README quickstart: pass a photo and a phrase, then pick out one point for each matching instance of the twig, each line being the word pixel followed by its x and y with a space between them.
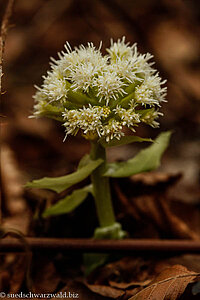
pixel 4 31
pixel 90 245
pixel 3 34
pixel 4 232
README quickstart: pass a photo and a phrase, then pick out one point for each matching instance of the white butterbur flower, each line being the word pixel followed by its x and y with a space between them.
pixel 151 117
pixel 40 99
pixel 100 95
pixel 125 69
pixel 141 63
pixel 56 90
pixel 109 86
pixel 150 91
pixel 54 87
pixel 145 96
pixel 82 76
pixel 120 49
pixel 89 120
pixel 91 55
pixel 128 116
pixel 112 130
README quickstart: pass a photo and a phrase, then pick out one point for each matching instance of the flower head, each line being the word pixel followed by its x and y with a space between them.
pixel 99 95
pixel 120 50
pixel 109 86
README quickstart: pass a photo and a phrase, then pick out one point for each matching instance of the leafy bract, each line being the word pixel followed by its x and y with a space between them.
pixel 59 184
pixel 123 141
pixel 146 160
pixel 69 203
pixel 85 160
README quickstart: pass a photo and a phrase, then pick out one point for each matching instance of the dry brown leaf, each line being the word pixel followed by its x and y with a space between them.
pixel 12 186
pixel 168 285
pixel 47 278
pixel 156 209
pixel 132 292
pixel 128 285
pixel 81 291
pixel 105 290
pixel 177 226
pixel 190 261
pixel 158 180
pixel 12 273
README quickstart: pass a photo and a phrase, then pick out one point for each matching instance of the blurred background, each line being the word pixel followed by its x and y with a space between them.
pixel 32 148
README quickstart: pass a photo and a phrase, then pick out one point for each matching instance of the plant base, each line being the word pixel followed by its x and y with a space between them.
pixel 110 232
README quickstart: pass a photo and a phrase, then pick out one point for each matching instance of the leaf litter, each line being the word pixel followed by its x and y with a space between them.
pixel 169 284
pixel 144 201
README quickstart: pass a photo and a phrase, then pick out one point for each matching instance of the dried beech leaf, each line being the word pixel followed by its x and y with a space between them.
pixel 47 278
pixel 18 214
pixel 80 291
pixel 16 277
pixel 176 225
pixel 128 285
pixel 155 180
pixel 105 291
pixel 168 285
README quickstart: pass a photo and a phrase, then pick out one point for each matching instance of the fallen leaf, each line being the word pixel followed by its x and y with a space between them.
pixel 128 285
pixel 106 291
pixel 169 284
pixel 190 261
pixel 81 291
pixel 155 209
pixel 18 213
pixel 177 226
pixel 47 278
pixel 17 265
pixel 155 181
pixel 121 270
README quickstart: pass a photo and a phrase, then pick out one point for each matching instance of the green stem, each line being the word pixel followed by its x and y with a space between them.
pixel 101 188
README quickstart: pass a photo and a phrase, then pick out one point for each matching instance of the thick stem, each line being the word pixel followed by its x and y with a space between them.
pixel 101 188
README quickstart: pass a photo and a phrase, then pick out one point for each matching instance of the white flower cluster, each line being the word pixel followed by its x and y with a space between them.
pixel 99 95
pixel 89 120
pixel 128 117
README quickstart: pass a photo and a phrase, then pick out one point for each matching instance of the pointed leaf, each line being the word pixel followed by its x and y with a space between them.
pixel 124 141
pixel 85 160
pixel 146 160
pixel 59 184
pixel 169 284
pixel 69 203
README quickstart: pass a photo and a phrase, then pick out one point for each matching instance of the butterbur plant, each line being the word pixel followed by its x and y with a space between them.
pixel 98 96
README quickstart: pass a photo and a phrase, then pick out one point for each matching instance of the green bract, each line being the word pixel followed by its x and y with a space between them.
pixel 62 183
pixel 146 160
pixel 69 203
pixel 100 95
